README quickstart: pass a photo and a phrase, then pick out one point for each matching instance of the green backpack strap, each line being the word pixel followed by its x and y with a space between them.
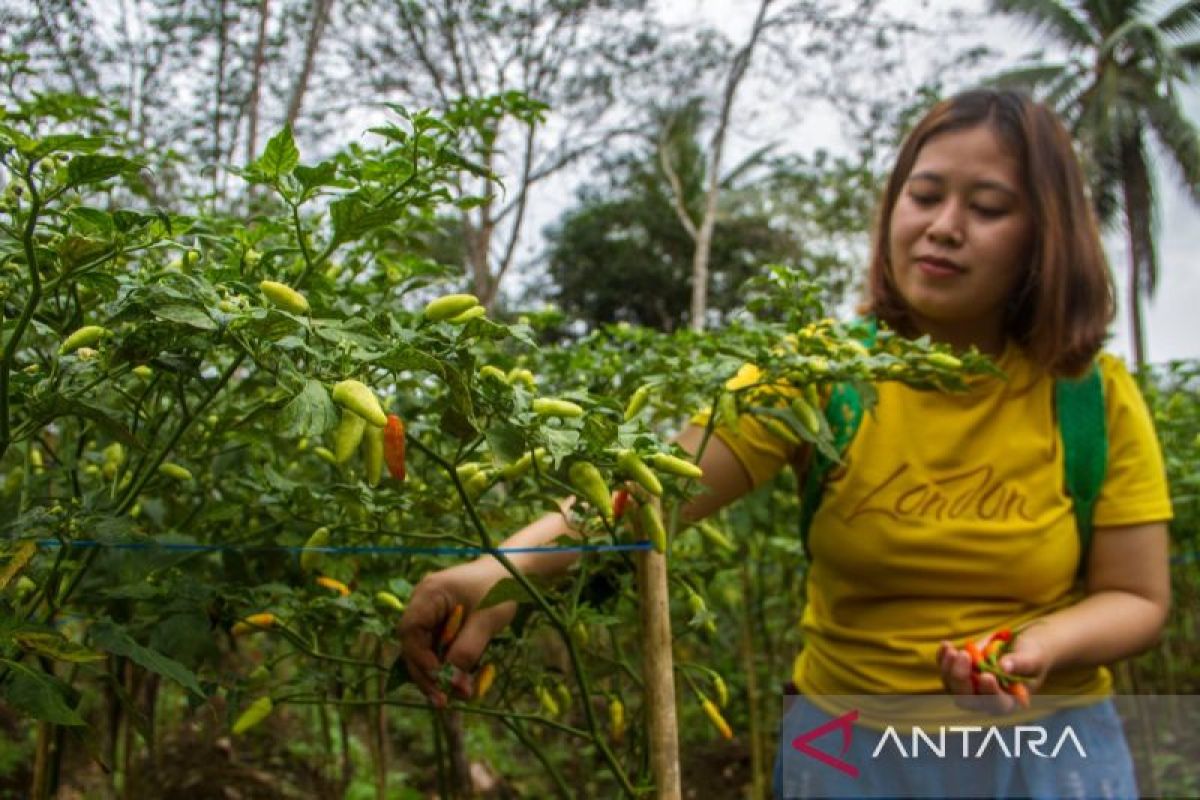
pixel 1080 414
pixel 844 413
pixel 1079 410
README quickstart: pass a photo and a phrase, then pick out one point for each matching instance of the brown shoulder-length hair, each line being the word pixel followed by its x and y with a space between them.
pixel 1060 312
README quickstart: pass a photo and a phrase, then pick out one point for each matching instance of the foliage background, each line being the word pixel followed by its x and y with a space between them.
pixel 140 193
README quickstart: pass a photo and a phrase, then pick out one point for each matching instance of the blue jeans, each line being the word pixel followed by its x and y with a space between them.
pixel 1094 763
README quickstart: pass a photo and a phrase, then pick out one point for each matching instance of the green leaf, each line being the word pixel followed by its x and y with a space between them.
pixel 352 218
pixel 185 315
pixel 114 640
pixel 410 358
pixel 55 406
pixel 506 441
pixel 21 554
pixel 187 636
pixel 55 646
pixel 40 695
pixel 310 413
pixel 75 251
pixel 323 174
pixel 62 143
pixel 91 218
pixel 560 442
pixel 279 158
pixel 95 169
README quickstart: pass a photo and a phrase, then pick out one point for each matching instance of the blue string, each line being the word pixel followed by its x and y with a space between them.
pixel 353 550
pixel 1183 558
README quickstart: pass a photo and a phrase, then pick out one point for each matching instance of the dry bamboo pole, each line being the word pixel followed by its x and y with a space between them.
pixel 659 674
pixel 757 756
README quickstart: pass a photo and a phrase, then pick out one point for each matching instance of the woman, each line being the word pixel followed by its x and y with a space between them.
pixel 948 520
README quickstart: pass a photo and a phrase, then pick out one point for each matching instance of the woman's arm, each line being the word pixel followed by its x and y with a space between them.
pixel 435 596
pixel 1128 597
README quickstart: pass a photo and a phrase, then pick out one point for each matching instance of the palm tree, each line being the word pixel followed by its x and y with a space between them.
pixel 1118 82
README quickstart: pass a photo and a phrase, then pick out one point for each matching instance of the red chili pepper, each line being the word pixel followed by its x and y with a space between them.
pixel 393 446
pixel 1003 635
pixel 620 503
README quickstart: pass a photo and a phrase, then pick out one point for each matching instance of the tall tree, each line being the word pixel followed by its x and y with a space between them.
pixel 623 253
pixel 792 40
pixel 566 58
pixel 318 18
pixel 701 230
pixel 1119 83
pixel 189 79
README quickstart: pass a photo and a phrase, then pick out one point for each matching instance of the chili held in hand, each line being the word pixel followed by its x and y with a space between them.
pixel 987 659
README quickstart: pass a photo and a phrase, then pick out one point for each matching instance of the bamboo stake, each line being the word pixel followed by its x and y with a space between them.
pixel 659 674
pixel 757 756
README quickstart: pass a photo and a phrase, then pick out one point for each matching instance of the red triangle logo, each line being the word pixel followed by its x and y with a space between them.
pixel 845 723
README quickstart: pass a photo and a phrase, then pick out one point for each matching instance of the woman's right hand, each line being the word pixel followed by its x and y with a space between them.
pixel 432 602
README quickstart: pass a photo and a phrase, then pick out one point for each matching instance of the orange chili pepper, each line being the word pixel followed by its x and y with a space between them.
pixel 483 680
pixel 1020 693
pixel 453 623
pixel 993 649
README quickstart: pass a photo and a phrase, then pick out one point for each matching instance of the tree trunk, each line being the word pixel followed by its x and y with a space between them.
pixel 252 102
pixel 222 44
pixel 1136 329
pixel 700 257
pixel 478 240
pixel 316 30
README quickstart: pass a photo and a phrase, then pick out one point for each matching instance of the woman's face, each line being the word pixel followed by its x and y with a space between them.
pixel 960 237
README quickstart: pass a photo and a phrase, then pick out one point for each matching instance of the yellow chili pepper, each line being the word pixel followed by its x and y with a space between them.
pixel 333 584
pixel 718 721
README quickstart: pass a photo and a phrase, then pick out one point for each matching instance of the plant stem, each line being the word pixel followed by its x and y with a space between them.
pixel 305 700
pixel 551 770
pixel 544 605
pixel 31 304
pixel 140 480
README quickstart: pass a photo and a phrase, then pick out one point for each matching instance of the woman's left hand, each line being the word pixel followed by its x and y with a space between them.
pixel 1027 660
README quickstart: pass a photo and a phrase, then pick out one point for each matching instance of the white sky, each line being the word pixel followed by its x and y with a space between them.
pixel 1172 331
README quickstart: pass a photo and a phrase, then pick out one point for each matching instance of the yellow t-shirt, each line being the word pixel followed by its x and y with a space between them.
pixel 950 520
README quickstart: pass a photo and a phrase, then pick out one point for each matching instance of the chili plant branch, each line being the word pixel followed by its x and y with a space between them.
pixel 31 304
pixel 302 700
pixel 539 599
